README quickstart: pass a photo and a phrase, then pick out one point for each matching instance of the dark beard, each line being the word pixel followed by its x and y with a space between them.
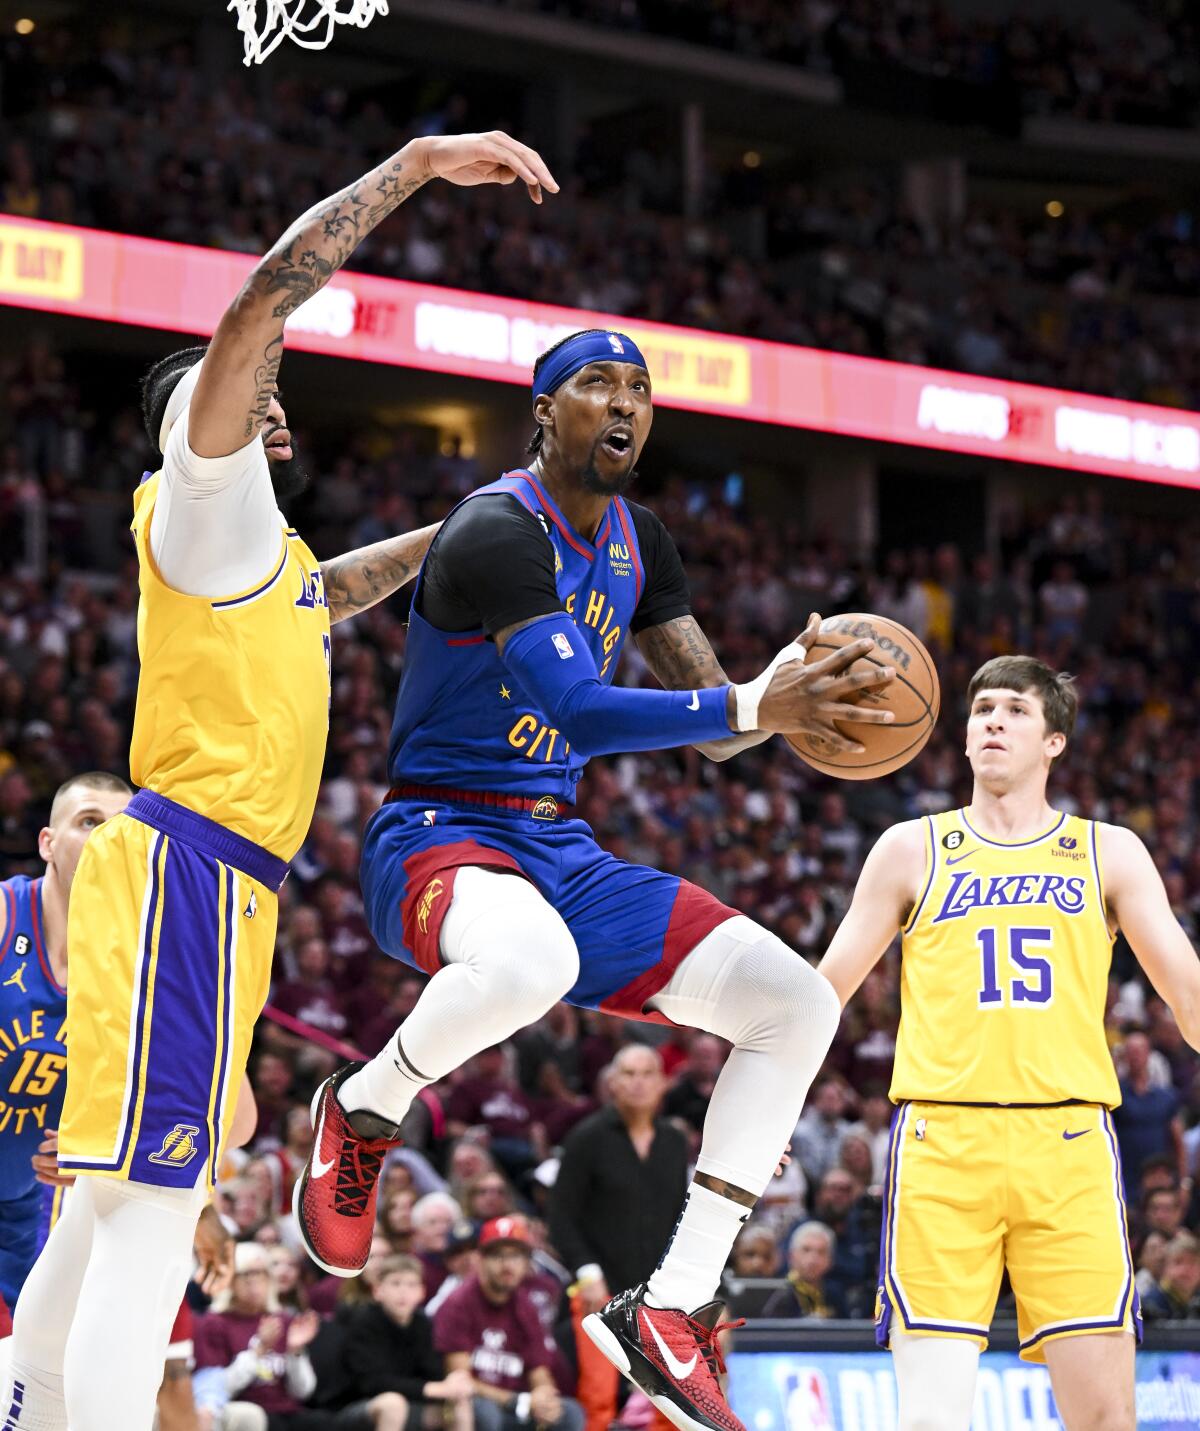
pixel 288 478
pixel 606 486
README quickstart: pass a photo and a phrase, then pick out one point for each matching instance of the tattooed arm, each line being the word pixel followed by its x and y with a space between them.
pixel 240 371
pixel 361 578
pixel 679 655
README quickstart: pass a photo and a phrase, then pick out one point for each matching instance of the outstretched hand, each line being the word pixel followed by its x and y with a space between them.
pixel 492 158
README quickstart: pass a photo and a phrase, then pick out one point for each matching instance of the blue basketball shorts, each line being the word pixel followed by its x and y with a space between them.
pixel 632 925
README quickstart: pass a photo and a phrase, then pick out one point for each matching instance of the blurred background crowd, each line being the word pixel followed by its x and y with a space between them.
pixel 1112 597
pixel 973 266
pixel 1089 286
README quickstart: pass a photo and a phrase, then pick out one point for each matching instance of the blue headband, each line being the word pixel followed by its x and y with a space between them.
pixel 578 352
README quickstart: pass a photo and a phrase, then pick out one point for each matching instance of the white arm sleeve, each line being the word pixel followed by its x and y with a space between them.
pixel 216 529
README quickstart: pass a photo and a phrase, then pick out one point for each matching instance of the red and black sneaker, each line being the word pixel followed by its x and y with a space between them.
pixel 673 1357
pixel 334 1197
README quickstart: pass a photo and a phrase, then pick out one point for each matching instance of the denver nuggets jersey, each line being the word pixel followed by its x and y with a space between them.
pixel 233 699
pixel 462 719
pixel 33 1010
pixel 1004 970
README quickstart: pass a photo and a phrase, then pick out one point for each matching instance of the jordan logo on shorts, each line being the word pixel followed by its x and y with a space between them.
pixel 179 1147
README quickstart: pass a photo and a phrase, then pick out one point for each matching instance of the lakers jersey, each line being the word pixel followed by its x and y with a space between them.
pixel 1004 970
pixel 233 699
pixel 33 1011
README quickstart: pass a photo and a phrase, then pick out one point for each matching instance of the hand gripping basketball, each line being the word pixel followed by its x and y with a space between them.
pixel 792 697
pixel 492 158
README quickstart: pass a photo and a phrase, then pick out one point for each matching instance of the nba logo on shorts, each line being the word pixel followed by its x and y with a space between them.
pixel 807 1403
pixel 562 646
pixel 178 1147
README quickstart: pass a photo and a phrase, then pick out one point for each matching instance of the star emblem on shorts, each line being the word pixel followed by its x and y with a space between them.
pixel 505 693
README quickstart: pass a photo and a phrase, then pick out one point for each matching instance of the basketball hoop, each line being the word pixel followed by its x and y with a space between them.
pixel 282 20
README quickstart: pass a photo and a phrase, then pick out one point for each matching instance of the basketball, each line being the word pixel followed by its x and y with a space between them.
pixel 914 696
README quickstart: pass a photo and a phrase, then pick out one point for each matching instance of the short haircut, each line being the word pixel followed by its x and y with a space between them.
pixel 627 1048
pixel 432 1202
pixel 1184 1244
pixel 89 780
pixel 535 442
pixel 401 1262
pixel 158 383
pixel 813 1225
pixel 1055 689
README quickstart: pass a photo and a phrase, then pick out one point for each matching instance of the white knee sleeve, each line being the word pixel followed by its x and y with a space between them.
pixel 935 1378
pixel 745 985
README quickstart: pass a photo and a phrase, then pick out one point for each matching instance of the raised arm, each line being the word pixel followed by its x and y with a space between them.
pixel 359 579
pixel 1137 901
pixel 681 659
pixel 239 374
pixel 887 889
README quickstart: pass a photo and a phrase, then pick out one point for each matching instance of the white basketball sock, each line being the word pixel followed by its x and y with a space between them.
pixel 35 1400
pixel 691 1266
pixel 509 957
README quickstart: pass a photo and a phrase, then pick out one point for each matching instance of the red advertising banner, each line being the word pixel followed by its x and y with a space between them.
pixel 121 279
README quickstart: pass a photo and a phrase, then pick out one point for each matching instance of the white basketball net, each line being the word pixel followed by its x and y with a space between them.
pixel 286 20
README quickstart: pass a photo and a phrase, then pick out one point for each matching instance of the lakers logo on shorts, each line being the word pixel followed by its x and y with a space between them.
pixel 546 808
pixel 433 891
pixel 178 1147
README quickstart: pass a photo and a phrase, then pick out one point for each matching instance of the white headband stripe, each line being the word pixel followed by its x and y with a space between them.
pixel 178 400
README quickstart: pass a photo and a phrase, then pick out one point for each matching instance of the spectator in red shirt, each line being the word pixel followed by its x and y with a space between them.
pixel 490 1326
pixel 311 995
pixel 260 1353
pixel 490 1097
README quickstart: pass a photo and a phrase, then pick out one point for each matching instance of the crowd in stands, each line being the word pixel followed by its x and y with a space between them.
pixel 1112 598
pixel 1140 72
pixel 139 141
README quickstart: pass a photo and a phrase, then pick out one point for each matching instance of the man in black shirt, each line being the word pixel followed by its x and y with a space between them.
pixel 621 1182
pixel 475 872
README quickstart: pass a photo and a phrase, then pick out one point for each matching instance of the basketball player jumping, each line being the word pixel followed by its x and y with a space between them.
pixel 175 900
pixel 1002 1151
pixel 475 872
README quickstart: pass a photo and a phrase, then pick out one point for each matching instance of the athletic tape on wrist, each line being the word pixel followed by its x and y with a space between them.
pixel 748 696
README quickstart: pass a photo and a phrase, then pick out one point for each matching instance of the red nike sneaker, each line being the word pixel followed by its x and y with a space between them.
pixel 673 1357
pixel 334 1198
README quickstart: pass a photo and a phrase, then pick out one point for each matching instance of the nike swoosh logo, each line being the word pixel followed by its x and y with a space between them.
pixel 695 705
pixel 1068 1136
pixel 680 1370
pixel 958 859
pixel 319 1168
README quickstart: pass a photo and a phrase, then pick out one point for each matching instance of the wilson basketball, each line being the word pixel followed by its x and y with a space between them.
pixel 914 696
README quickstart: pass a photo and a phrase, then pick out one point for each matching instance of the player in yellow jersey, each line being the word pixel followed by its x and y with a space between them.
pixel 1002 1151
pixel 174 903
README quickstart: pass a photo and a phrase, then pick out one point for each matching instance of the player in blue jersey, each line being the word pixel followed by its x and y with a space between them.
pixel 475 872
pixel 33 1007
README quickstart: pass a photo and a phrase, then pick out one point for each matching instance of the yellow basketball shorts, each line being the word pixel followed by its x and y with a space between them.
pixel 170 936
pixel 971 1191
